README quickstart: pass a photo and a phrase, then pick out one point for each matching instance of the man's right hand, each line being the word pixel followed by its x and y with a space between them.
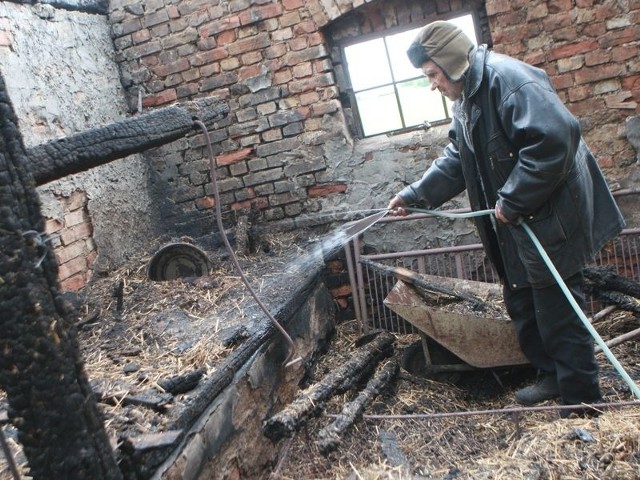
pixel 396 207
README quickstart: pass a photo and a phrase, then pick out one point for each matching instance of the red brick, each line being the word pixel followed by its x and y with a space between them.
pixel 497 6
pixel 622 53
pixel 316 38
pixel 597 58
pixel 75 250
pixel 302 70
pixel 535 58
pixel 52 225
pixel 317 81
pixel 211 56
pixel 587 107
pixel 249 44
pixel 226 37
pixel 595 74
pixel 536 12
pixel 205 203
pixel 78 232
pixel 572 49
pixel 91 258
pixel 167 69
pixel 140 36
pixel 287 20
pixel 292 4
pixel 74 283
pixel 343 291
pixel 74 218
pixel 283 76
pixel 218 26
pixel 309 98
pixel 161 98
pixel 559 6
pixel 72 267
pixel 305 27
pixel 620 37
pixel 233 157
pixel 326 190
pixel 77 199
pixel 578 94
pixel 248 72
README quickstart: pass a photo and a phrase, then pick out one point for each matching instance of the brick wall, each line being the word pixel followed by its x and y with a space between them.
pixel 272 62
pixel 590 49
pixel 71 238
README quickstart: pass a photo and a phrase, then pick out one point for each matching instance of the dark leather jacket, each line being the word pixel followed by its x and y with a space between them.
pixel 522 149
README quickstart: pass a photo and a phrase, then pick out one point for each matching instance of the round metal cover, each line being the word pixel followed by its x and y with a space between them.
pixel 178 260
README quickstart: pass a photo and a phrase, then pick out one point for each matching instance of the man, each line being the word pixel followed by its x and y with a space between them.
pixel 515 147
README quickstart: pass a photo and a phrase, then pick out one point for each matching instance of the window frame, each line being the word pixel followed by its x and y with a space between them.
pixel 351 93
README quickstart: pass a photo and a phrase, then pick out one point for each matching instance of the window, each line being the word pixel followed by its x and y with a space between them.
pixel 389 94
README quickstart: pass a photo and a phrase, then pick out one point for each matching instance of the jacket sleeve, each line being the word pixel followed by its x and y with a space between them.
pixel 442 181
pixel 546 136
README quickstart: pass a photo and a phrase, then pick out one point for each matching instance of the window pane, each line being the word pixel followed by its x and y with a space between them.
pixel 419 103
pixel 367 64
pixel 378 110
pixel 398 45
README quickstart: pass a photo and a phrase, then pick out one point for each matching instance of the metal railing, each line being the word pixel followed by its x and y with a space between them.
pixel 370 287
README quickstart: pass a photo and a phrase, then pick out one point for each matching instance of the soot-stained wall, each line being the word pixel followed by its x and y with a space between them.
pixel 58 64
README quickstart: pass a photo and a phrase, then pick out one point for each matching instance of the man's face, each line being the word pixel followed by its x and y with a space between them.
pixel 451 90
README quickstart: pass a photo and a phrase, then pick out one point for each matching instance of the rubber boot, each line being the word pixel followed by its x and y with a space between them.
pixel 546 388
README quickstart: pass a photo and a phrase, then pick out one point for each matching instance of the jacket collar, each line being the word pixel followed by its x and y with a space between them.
pixel 476 70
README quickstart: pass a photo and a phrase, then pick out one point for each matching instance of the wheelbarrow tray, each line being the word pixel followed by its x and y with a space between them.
pixel 480 339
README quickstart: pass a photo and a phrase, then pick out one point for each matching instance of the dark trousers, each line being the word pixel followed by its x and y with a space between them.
pixel 554 339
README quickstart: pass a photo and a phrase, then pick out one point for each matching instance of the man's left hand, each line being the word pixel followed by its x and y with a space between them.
pixel 499 215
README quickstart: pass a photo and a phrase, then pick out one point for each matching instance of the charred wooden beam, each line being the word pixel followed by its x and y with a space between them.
pixel 330 437
pixel 77 153
pixel 150 399
pixel 311 401
pixel 605 278
pixel 181 383
pixel 620 300
pixel 41 369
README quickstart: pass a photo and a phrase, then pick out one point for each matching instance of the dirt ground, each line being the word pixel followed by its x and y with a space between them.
pixel 165 329
pixel 408 434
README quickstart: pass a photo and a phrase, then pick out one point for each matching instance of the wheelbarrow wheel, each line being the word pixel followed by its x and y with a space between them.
pixel 428 359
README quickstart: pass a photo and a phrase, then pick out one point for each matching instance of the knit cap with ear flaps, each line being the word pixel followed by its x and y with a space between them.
pixel 445 45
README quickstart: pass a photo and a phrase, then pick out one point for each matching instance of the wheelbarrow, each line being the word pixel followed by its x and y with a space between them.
pixel 465 317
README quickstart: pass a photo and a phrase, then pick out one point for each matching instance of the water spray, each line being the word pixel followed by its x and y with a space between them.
pixel 291 356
